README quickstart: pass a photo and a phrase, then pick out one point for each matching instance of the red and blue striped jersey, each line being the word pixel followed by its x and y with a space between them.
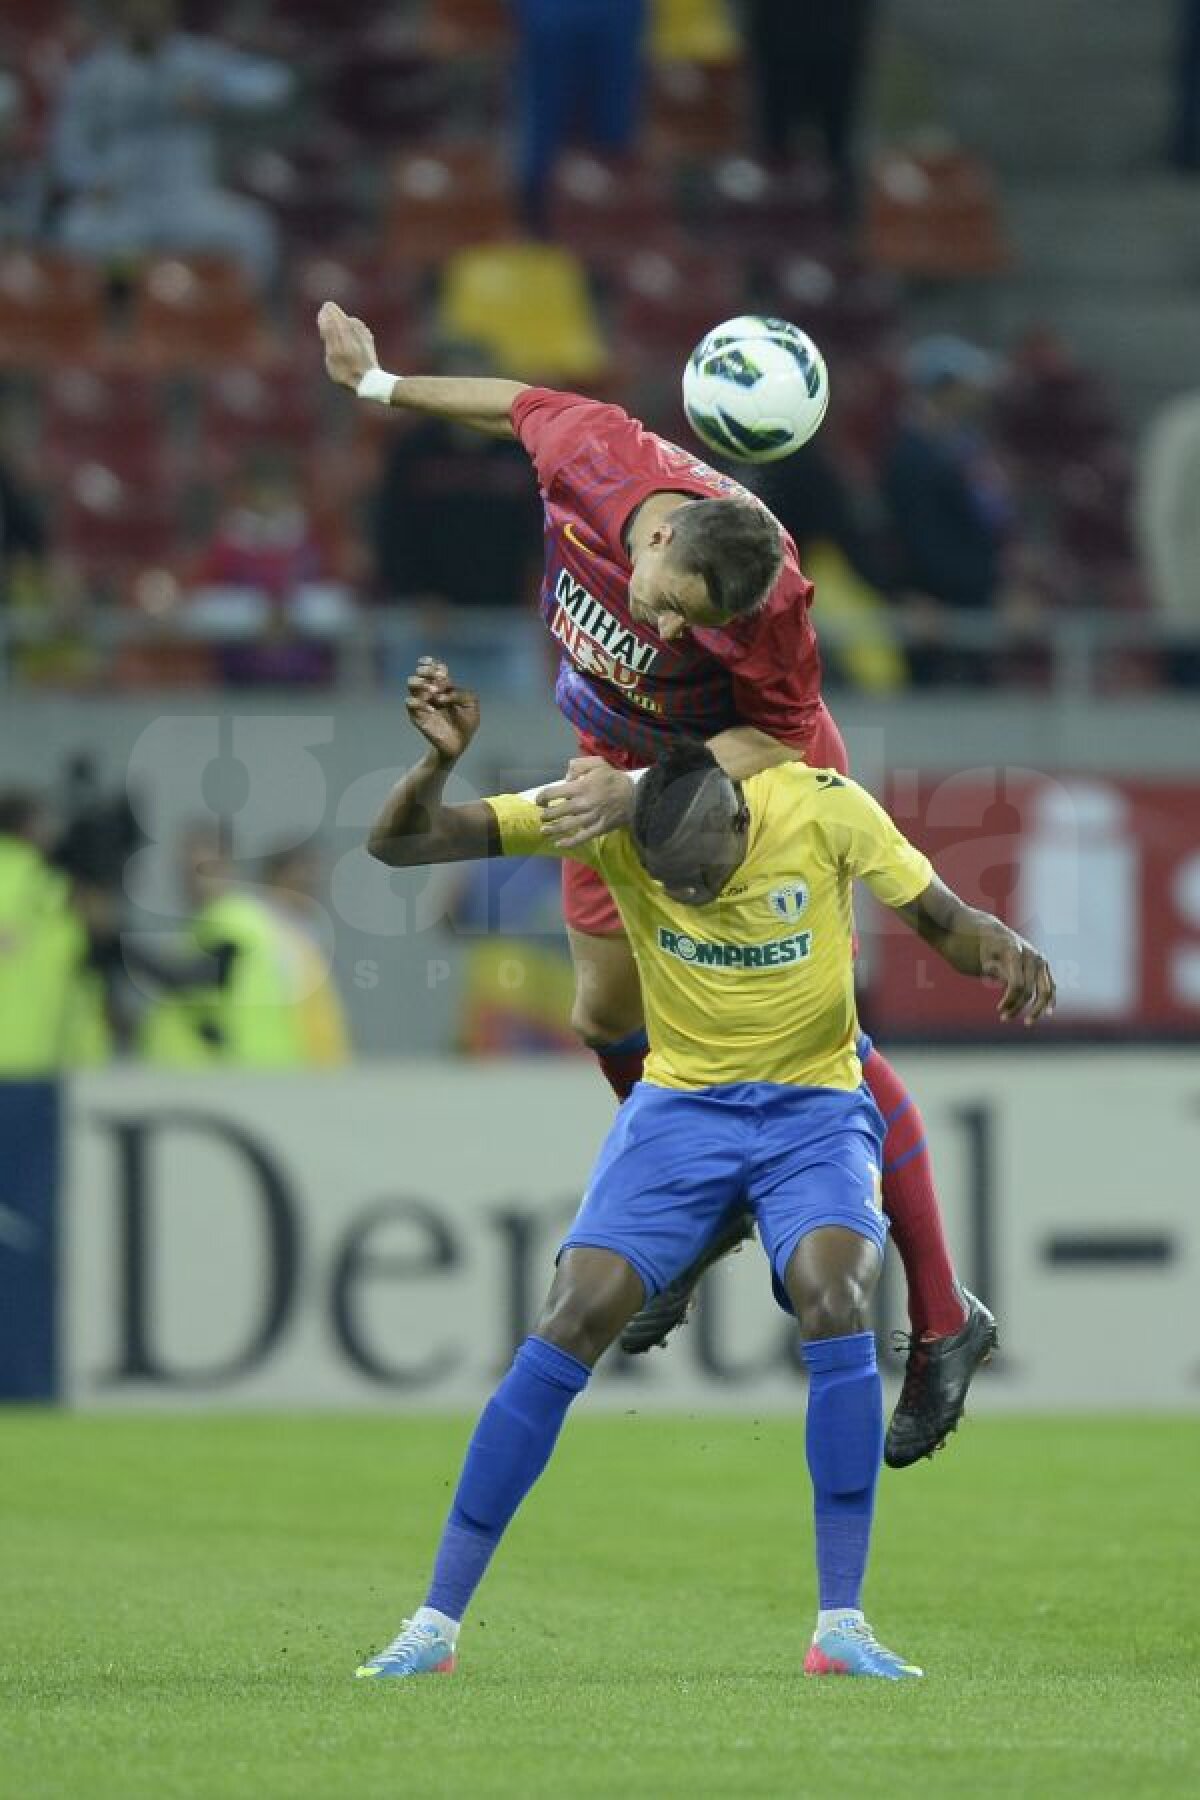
pixel 624 689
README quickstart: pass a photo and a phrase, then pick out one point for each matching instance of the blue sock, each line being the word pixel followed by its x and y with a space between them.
pixel 510 1447
pixel 844 1440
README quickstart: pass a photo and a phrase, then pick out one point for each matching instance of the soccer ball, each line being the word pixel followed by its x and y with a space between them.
pixel 755 388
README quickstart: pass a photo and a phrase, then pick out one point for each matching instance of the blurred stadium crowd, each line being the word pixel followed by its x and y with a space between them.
pixel 567 191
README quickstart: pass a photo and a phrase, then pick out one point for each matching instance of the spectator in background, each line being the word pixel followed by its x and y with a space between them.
pixel 135 144
pixel 51 1001
pixel 246 1014
pixel 808 58
pixel 291 883
pixel 262 586
pixel 948 505
pixel 578 73
pixel 456 523
pixel 454 520
pixel 1167 519
pixel 839 551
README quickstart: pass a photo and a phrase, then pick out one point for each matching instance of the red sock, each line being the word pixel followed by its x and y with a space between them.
pixel 622 1062
pixel 911 1203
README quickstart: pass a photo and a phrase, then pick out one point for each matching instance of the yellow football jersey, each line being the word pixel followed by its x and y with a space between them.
pixel 759 984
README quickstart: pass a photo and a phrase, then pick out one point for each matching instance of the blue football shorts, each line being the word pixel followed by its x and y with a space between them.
pixel 675 1163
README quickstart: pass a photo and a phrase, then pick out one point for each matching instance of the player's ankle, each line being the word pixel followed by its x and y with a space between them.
pixel 441 1622
pixel 943 1320
pixel 833 1618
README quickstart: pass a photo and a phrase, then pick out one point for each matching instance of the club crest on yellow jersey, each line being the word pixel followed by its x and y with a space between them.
pixel 789 902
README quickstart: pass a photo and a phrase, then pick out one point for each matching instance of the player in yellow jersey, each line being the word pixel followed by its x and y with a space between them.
pixel 736 897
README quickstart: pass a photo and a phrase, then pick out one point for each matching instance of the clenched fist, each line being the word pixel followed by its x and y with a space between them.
pixel 446 716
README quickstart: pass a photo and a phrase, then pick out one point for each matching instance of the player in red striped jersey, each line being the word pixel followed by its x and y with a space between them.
pixel 681 610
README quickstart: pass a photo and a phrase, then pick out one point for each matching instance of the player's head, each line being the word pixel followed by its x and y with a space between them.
pixel 705 563
pixel 690 824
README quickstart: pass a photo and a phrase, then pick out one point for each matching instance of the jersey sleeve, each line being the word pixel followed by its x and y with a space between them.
pixel 552 426
pixel 775 664
pixel 868 843
pixel 519 820
pixel 597 462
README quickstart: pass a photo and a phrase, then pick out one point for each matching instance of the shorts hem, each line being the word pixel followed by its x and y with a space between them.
pixel 652 1282
pixel 779 1262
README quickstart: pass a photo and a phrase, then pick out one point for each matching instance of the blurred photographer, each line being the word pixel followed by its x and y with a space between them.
pixel 291 881
pixel 245 982
pixel 125 970
pixel 52 1009
pixel 243 1012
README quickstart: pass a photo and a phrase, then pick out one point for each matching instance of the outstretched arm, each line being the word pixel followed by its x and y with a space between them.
pixel 481 402
pixel 593 797
pixel 415 826
pixel 975 943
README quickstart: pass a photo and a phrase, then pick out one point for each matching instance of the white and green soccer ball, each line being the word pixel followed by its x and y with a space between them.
pixel 755 388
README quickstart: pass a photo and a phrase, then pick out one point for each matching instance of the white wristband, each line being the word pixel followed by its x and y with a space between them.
pixel 377 384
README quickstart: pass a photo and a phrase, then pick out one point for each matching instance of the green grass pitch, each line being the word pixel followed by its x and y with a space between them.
pixel 183 1601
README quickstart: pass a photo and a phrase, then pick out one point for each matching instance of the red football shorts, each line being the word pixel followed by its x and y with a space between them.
pixel 587 904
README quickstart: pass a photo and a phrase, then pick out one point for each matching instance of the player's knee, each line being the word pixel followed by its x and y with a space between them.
pixel 838 1306
pixel 584 1322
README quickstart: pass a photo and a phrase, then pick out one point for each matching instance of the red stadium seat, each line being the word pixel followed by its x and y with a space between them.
pixel 166 664
pixel 384 294
pixel 669 297
pixel 32 18
pixel 190 313
pixel 383 85
pixel 866 395
pixel 599 208
pixel 113 526
pixel 467 27
pixel 1095 510
pixel 115 421
pixel 697 109
pixel 337 483
pixel 1052 412
pixel 764 213
pixel 845 307
pixel 245 410
pixel 314 189
pixel 934 213
pixel 446 198
pixel 51 308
